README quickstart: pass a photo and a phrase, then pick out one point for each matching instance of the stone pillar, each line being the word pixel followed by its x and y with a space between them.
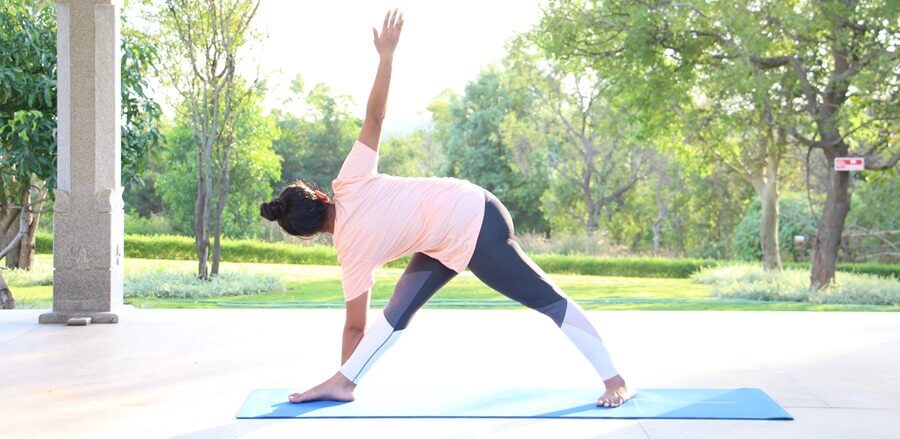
pixel 88 221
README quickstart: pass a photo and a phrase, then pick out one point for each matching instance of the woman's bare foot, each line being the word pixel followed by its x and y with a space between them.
pixel 336 388
pixel 616 393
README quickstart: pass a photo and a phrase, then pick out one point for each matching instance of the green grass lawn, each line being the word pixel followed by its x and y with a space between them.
pixel 318 286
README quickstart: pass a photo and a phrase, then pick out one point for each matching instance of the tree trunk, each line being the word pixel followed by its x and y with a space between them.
pixel 12 241
pixel 26 247
pixel 593 216
pixel 6 297
pixel 12 256
pixel 662 209
pixel 768 227
pixel 207 199
pixel 224 186
pixel 831 225
pixel 201 209
pixel 766 185
pixel 217 244
pixel 217 233
pixel 587 174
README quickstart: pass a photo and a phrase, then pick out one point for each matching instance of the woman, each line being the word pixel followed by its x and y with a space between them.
pixel 447 224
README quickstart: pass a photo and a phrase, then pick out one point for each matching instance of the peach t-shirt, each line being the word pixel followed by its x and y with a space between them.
pixel 380 218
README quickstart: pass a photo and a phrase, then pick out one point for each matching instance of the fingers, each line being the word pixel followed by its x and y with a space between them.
pixel 390 29
pixel 394 18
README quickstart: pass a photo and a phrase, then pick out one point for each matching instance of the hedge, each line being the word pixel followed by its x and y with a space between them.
pixel 626 267
pixel 885 270
pixel 235 250
pixel 244 250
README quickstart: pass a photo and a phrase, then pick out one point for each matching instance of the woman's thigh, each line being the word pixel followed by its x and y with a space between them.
pixel 422 278
pixel 500 263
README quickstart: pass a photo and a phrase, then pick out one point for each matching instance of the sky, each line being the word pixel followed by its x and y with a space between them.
pixel 444 45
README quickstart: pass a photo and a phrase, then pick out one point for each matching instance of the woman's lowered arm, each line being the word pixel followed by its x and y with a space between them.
pixel 354 325
pixel 370 135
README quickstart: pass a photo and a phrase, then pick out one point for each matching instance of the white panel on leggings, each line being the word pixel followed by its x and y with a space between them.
pixel 578 328
pixel 377 339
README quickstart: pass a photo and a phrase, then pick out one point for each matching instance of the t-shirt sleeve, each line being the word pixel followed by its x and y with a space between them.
pixel 361 162
pixel 357 277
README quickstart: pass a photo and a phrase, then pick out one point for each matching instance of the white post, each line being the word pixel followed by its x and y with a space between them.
pixel 88 221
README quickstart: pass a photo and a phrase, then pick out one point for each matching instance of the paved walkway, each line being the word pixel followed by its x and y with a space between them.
pixel 179 373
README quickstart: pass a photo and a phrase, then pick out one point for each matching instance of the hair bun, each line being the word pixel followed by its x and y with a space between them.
pixel 273 210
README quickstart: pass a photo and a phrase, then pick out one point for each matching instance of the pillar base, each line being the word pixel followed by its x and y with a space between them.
pixel 63 317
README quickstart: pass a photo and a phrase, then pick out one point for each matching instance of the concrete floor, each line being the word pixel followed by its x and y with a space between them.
pixel 179 373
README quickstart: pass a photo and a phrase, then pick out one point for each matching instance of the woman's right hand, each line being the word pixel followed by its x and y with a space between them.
pixel 390 34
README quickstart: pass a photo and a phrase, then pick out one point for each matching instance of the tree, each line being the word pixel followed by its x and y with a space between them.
pixel 27 123
pixel 474 148
pixel 256 169
pixel 794 220
pixel 412 155
pixel 6 297
pixel 667 181
pixel 203 39
pixel 28 119
pixel 571 107
pixel 736 125
pixel 315 144
pixel 835 60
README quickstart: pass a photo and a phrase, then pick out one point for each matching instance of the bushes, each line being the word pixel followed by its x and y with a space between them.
pixel 241 250
pixel 883 270
pixel 43 242
pixel 186 285
pixel 39 275
pixel 626 267
pixel 154 225
pixel 793 220
pixel 751 282
pixel 597 244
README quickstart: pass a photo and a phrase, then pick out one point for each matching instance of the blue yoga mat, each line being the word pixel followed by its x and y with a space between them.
pixel 744 403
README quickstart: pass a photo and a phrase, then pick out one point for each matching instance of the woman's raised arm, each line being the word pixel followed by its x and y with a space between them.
pixel 370 135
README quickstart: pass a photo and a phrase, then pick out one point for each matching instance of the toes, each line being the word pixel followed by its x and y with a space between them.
pixel 610 403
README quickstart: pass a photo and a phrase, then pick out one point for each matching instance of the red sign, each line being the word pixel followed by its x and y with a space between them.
pixel 849 163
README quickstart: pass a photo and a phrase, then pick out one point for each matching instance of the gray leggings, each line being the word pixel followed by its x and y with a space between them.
pixel 498 261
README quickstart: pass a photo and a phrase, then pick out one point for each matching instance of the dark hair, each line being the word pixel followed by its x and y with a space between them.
pixel 298 210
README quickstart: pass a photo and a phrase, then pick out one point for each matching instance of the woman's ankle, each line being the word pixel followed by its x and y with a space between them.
pixel 343 381
pixel 615 381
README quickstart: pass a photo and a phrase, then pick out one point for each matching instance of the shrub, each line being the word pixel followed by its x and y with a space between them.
pixel 883 270
pixel 235 250
pixel 245 250
pixel 752 282
pixel 626 267
pixel 793 220
pixel 186 285
pixel 41 274
pixel 570 244
pixel 33 303
pixel 43 242
pixel 154 225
